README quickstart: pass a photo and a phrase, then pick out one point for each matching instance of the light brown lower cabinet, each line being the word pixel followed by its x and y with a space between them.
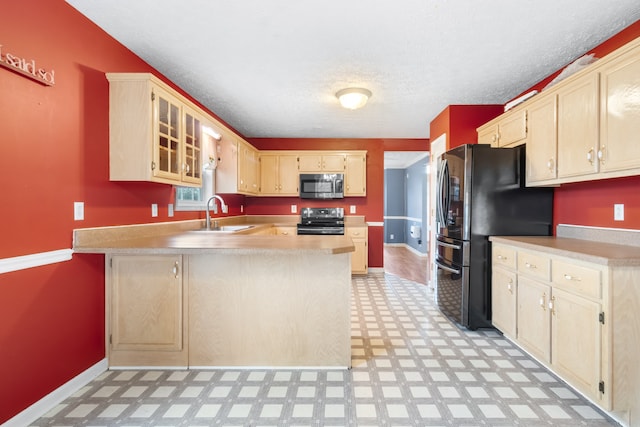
pixel 360 257
pixel 247 308
pixel 578 318
pixel 146 302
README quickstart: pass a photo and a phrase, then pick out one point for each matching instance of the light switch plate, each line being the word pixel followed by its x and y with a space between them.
pixel 294 208
pixel 78 211
pixel 352 209
pixel 618 212
pixel 154 209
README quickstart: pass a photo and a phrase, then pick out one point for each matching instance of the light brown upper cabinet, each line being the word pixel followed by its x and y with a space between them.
pixel 587 126
pixel 507 130
pixel 154 133
pixel 620 113
pixel 542 142
pixel 578 127
pixel 356 174
pixel 278 174
pixel 322 162
pixel 237 171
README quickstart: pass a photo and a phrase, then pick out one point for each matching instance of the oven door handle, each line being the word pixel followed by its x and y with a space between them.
pixel 448 245
pixel 449 269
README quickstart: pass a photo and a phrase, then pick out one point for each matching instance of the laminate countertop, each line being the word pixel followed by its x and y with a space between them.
pixel 193 241
pixel 585 250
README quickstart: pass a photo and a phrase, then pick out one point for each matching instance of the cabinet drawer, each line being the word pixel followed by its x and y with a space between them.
pixel 582 280
pixel 534 265
pixel 356 232
pixel 504 255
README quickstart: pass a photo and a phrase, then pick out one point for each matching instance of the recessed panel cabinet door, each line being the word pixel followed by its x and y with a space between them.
pixel 620 113
pixel 503 301
pixel 146 303
pixel 576 345
pixel 534 320
pixel 578 130
pixel 542 141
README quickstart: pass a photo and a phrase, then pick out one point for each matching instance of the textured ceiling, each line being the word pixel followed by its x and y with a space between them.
pixel 271 68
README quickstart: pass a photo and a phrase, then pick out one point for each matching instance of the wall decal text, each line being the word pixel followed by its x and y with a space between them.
pixel 27 68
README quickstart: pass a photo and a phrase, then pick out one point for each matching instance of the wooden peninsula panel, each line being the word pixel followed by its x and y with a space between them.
pixel 270 308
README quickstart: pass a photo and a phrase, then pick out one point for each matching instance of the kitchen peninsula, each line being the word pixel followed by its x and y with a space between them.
pixel 177 296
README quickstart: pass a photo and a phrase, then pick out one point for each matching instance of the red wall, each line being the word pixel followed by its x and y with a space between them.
pixel 459 122
pixel 591 203
pixel 54 151
pixel 371 206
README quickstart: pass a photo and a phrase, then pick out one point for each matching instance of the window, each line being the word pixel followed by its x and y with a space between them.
pixel 194 199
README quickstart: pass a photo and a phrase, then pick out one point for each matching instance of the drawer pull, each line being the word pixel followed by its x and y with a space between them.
pixel 529 265
pixel 502 257
pixel 570 277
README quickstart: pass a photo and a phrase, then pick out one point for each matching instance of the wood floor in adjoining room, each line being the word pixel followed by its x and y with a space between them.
pixel 404 263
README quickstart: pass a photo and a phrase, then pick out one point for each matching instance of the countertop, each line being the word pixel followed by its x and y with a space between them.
pixel 586 250
pixel 174 238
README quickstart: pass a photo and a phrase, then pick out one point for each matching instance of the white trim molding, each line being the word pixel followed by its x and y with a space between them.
pixel 34 260
pixel 51 400
pixel 375 224
pixel 405 218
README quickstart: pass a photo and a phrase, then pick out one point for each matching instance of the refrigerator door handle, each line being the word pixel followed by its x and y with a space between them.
pixel 443 193
pixel 449 269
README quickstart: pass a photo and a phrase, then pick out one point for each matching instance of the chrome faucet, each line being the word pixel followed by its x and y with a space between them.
pixel 224 207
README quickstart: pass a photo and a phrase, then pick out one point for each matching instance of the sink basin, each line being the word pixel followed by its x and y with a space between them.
pixel 226 229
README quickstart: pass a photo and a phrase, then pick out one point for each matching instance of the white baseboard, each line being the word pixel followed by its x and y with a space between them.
pixel 50 401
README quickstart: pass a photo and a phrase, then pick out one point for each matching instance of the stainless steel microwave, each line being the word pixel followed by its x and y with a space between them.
pixel 321 185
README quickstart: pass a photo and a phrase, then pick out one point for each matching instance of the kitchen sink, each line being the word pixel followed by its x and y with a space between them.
pixel 226 229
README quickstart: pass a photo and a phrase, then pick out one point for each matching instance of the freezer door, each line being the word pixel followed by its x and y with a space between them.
pixel 452 292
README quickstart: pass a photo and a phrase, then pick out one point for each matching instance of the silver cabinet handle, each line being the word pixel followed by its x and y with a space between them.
pixel 529 265
pixel 570 277
pixel 542 302
pixel 601 154
pixel 176 270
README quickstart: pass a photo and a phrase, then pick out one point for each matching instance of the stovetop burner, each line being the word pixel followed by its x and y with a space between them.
pixel 321 221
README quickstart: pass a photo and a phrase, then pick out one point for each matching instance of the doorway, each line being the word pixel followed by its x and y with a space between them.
pixel 406 222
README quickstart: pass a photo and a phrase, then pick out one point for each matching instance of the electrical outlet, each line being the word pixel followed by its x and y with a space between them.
pixel 294 208
pixel 78 211
pixel 241 208
pixel 618 212
pixel 352 209
pixel 170 210
pixel 154 209
pixel 392 236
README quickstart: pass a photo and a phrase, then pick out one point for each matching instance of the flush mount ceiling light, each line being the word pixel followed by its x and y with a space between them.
pixel 353 97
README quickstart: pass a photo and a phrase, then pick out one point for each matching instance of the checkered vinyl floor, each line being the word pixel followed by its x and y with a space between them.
pixel 411 367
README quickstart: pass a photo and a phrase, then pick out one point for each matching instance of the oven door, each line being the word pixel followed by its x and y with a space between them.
pixel 452 291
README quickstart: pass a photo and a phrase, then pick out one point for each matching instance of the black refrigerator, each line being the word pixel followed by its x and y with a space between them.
pixel 481 193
